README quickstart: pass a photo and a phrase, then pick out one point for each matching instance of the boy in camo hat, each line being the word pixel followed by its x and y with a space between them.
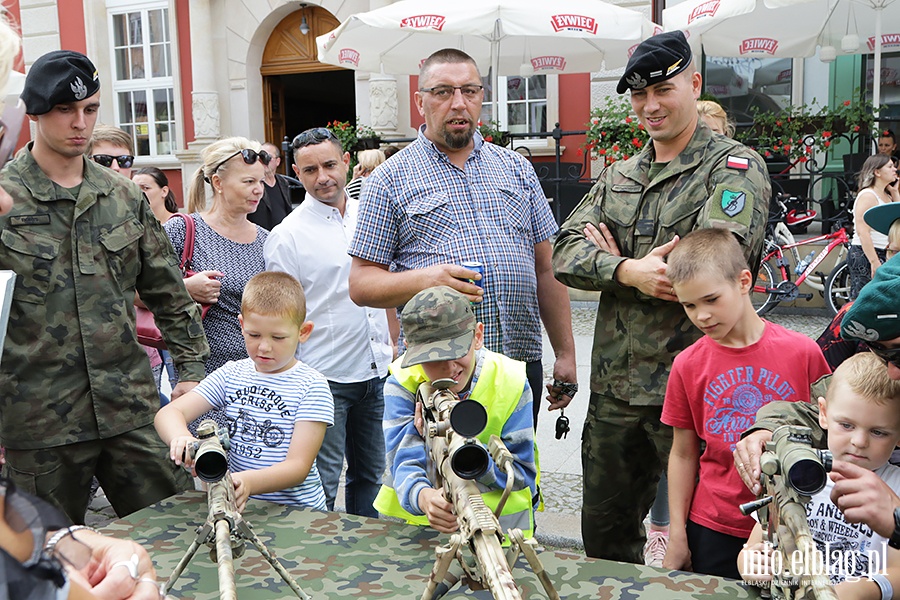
pixel 445 341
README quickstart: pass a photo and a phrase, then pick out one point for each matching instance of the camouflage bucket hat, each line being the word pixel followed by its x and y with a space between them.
pixel 438 324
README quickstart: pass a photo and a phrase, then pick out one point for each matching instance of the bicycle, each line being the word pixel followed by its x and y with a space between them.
pixel 773 281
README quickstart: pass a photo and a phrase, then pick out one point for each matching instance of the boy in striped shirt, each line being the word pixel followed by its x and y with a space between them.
pixel 277 407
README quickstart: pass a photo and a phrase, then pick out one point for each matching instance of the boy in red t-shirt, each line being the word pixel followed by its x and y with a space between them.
pixel 714 390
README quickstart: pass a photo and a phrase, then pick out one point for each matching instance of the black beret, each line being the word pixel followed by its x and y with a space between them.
pixel 59 77
pixel 656 59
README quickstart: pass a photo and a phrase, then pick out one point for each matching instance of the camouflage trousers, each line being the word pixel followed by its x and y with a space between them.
pixel 623 451
pixel 133 468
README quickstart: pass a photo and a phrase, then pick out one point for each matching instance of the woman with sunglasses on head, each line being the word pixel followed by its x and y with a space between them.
pixel 228 248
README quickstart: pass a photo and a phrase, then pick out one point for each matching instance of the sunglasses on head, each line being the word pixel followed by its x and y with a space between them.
pixel 249 156
pixel 10 126
pixel 311 137
pixel 888 355
pixel 105 160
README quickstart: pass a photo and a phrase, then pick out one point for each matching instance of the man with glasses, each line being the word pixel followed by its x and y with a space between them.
pixel 113 148
pixel 78 398
pixel 350 345
pixel 448 199
pixel 874 321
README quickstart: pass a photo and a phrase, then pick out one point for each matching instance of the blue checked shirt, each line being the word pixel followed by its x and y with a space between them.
pixel 418 210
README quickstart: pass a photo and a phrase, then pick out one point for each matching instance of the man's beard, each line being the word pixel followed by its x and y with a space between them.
pixel 458 141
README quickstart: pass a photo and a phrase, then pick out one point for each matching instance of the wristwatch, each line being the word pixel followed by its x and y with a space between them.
pixel 894 542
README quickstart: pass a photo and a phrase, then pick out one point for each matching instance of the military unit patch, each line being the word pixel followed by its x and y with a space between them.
pixel 733 202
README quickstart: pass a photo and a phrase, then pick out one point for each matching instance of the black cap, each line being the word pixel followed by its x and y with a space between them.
pixel 656 59
pixel 59 77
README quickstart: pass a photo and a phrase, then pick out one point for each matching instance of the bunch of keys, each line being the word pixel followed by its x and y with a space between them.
pixel 562 422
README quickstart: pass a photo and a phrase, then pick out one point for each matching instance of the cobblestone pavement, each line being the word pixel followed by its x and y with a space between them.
pixel 559 523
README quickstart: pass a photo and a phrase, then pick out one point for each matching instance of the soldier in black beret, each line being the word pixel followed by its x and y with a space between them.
pixel 616 241
pixel 78 396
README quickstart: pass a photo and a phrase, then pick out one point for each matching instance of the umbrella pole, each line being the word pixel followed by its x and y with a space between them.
pixel 495 76
pixel 876 76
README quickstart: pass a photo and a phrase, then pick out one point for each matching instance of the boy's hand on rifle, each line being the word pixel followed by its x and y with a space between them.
pixel 419 420
pixel 241 492
pixel 746 457
pixel 180 450
pixel 757 566
pixel 438 510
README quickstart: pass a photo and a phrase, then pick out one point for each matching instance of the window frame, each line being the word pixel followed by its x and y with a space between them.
pixel 147 85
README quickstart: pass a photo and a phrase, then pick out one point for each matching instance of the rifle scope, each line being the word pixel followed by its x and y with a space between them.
pixel 804 468
pixel 210 460
pixel 469 459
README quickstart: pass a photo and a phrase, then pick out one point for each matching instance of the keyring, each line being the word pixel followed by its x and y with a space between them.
pixel 131 565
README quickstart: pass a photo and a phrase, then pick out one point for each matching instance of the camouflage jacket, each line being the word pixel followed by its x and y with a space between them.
pixel 72 369
pixel 715 181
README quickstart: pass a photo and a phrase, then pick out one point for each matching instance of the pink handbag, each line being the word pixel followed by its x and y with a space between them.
pixel 147 332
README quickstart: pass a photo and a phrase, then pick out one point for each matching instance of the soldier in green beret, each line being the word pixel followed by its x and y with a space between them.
pixel 616 241
pixel 78 397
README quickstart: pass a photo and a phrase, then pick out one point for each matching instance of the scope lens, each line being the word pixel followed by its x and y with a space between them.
pixel 469 461
pixel 807 477
pixel 468 418
pixel 211 466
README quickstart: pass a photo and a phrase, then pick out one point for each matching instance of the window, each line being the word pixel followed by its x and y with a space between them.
pixel 523 103
pixel 746 85
pixel 890 84
pixel 142 66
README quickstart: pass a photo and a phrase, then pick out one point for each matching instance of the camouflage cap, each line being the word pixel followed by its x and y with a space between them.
pixel 656 59
pixel 59 77
pixel 875 314
pixel 438 324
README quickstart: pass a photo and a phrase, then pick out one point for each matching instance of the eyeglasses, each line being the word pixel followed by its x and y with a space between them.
pixel 10 126
pixel 888 355
pixel 250 156
pixel 105 160
pixel 311 137
pixel 445 92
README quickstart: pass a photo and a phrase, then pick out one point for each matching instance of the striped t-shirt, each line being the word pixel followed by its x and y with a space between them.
pixel 261 410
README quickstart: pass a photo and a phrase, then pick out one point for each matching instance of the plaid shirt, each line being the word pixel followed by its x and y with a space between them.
pixel 418 210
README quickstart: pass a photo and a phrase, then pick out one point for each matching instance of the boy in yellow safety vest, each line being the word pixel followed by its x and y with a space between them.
pixel 445 341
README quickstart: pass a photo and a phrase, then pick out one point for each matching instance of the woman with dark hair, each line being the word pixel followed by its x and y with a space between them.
pixel 155 186
pixel 877 186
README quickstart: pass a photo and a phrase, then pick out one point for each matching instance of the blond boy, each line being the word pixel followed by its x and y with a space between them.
pixel 714 390
pixel 861 414
pixel 276 406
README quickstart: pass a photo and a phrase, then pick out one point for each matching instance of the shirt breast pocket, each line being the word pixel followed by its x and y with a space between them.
pixel 432 219
pixel 678 218
pixel 123 252
pixel 33 258
pixel 622 205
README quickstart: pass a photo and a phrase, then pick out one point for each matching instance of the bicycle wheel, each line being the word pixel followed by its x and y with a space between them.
pixel 766 280
pixel 837 288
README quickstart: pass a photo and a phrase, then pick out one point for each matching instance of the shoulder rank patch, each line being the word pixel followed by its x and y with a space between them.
pixel 737 162
pixel 733 202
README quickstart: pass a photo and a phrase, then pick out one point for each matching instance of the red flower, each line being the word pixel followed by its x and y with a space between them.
pixel 769 153
pixel 625 157
pixel 580 152
pixel 803 159
pixel 489 138
pixel 827 143
pixel 637 142
pixel 808 149
pixel 787 147
pixel 601 151
pixel 777 123
pixel 885 132
pixel 603 133
pixel 628 119
pixel 480 123
pixel 855 128
pixel 641 126
pixel 846 103
pixel 610 161
pixel 826 134
pixel 615 148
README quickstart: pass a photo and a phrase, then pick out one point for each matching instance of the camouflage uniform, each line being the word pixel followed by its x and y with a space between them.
pixel 624 445
pixel 77 391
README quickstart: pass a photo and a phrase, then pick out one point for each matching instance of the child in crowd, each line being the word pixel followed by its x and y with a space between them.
pixel 444 341
pixel 714 390
pixel 276 406
pixel 861 413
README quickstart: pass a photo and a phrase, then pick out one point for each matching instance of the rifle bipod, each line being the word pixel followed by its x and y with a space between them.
pixel 445 574
pixel 225 532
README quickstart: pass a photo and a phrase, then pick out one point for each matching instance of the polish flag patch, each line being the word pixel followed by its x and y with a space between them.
pixel 736 162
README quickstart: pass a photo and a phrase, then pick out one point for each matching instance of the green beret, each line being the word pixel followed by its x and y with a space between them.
pixel 875 315
pixel 59 77
pixel 656 59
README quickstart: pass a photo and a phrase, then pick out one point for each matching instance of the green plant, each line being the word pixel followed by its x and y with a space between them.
pixel 804 131
pixel 613 133
pixel 364 132
pixel 345 132
pixel 490 131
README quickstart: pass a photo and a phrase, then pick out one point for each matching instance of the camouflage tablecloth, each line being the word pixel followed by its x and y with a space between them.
pixel 335 555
